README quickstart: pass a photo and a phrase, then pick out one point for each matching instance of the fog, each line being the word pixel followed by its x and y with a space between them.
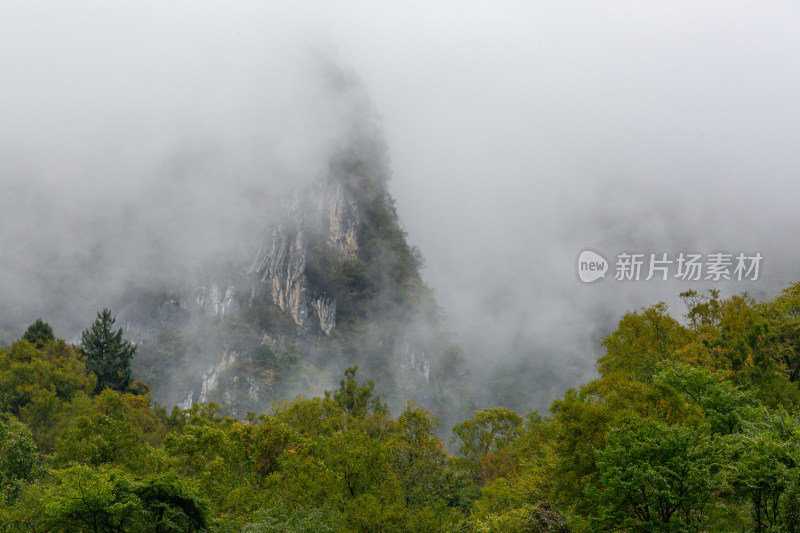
pixel 522 135
pixel 519 133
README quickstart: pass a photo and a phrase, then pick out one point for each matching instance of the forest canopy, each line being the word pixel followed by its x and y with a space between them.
pixel 690 425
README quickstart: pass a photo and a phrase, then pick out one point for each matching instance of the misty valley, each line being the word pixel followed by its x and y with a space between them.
pixel 691 425
pixel 314 388
pixel 538 279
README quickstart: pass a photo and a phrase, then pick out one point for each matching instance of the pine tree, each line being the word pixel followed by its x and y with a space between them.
pixel 107 354
pixel 39 333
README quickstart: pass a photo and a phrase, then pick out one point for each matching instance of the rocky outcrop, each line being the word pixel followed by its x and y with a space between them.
pixel 211 375
pixel 281 268
pixel 329 210
pixel 326 312
pixel 210 380
pixel 341 211
pixel 187 403
pixel 215 300
pixel 411 358
pixel 332 284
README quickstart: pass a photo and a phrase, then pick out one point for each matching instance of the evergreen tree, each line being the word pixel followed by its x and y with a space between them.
pixel 107 354
pixel 39 333
pixel 355 399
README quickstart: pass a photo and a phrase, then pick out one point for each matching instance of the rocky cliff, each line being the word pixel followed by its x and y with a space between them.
pixel 329 210
pixel 333 284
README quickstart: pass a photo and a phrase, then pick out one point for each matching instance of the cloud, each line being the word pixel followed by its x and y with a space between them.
pixel 520 134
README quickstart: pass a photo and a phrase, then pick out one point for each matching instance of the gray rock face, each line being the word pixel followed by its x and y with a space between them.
pixel 216 300
pixel 319 228
pixel 211 376
pixel 343 220
pixel 281 267
pixel 411 359
pixel 187 403
pixel 329 210
pixel 326 311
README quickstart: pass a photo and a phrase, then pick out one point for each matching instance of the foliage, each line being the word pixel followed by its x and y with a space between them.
pixel 17 457
pixel 690 426
pixel 107 354
pixel 657 477
pixel 39 333
pixel 484 440
pixel 357 400
pixel 108 499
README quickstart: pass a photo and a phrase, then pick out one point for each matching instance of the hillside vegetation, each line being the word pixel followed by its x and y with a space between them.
pixel 691 425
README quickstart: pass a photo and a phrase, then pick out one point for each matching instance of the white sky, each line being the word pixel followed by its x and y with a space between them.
pixel 520 132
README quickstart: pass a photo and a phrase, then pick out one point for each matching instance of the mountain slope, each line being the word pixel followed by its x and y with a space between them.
pixel 334 284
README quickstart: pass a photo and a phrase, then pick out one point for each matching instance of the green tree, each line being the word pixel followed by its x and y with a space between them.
pixel 642 339
pixel 357 400
pixel 763 475
pixel 727 408
pixel 39 333
pixel 107 354
pixel 26 373
pixel 17 457
pixel 581 423
pixel 527 518
pixel 418 456
pixel 107 499
pixel 102 437
pixel 783 314
pixel 655 477
pixel 169 505
pixel 485 440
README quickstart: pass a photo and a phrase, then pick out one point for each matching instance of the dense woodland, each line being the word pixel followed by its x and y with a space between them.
pixel 691 425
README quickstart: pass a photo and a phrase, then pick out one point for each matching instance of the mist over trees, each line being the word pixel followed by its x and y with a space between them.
pixel 245 282
pixel 514 144
pixel 691 425
pixel 253 187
